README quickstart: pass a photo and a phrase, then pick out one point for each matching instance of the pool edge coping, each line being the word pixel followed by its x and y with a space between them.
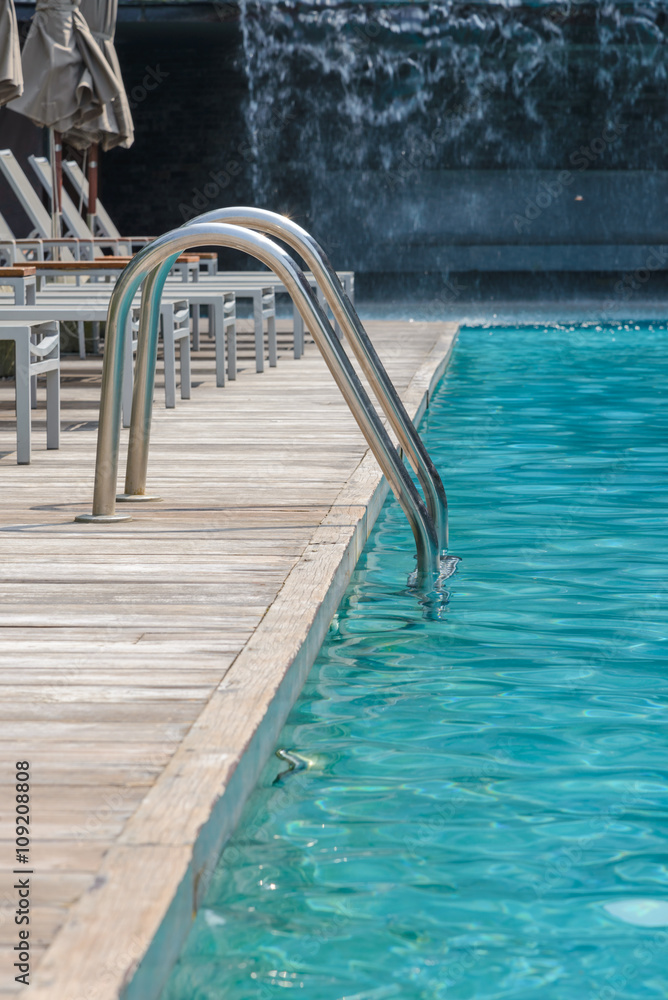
pixel 213 771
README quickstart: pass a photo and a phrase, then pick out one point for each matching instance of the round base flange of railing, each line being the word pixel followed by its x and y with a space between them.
pixel 137 498
pixel 101 518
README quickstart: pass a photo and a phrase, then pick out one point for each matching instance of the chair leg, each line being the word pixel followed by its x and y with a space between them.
pixel 128 368
pixel 232 351
pixel 328 313
pixel 82 339
pixel 195 317
pixel 271 338
pixel 217 322
pixel 96 337
pixel 184 366
pixel 298 328
pixel 33 392
pixel 259 332
pixel 23 401
pixel 53 409
pixel 169 353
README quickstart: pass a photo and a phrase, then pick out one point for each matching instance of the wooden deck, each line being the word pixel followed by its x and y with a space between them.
pixel 148 666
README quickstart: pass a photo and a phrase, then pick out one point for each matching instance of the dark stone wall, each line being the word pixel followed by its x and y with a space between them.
pixel 187 88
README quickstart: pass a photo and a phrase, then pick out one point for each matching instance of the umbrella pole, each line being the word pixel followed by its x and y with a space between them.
pixel 92 186
pixel 56 157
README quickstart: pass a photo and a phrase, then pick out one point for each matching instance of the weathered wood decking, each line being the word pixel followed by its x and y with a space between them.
pixel 147 666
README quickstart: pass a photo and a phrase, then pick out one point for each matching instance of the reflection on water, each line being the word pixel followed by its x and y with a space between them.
pixel 480 806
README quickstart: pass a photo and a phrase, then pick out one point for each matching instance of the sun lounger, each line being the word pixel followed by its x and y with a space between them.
pixel 239 281
pixel 221 306
pixel 104 268
pixel 261 294
pixel 37 352
pixel 27 196
pixel 39 217
pixel 79 182
pixel 108 268
pixel 22 281
pixel 246 283
pixel 174 329
pixel 30 250
pixel 73 219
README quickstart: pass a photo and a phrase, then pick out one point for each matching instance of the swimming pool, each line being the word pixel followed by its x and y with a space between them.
pixel 476 806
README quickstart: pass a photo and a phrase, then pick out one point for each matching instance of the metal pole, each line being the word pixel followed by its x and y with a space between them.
pixel 268 253
pixel 56 155
pixel 109 427
pixel 142 397
pixel 93 171
pixel 347 318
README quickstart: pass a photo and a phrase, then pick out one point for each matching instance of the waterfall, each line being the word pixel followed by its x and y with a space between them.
pixel 365 118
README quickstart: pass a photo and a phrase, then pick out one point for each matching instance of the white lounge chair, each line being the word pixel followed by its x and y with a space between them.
pixel 37 352
pixel 256 285
pixel 25 194
pixel 60 309
pixel 22 281
pixel 79 182
pixel 37 214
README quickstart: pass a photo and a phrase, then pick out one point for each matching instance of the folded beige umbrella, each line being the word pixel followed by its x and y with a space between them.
pixel 113 127
pixel 11 76
pixel 67 79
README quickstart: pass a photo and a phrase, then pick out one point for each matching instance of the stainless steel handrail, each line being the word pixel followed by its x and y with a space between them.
pixel 345 313
pixel 154 258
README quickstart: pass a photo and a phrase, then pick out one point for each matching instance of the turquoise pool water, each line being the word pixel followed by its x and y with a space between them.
pixel 483 810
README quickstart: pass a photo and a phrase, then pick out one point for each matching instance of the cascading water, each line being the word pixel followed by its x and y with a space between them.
pixel 403 130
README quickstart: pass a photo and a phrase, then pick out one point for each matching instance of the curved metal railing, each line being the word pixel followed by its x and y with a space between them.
pixel 152 263
pixel 345 314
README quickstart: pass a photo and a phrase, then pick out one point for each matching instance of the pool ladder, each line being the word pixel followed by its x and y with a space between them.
pixel 244 229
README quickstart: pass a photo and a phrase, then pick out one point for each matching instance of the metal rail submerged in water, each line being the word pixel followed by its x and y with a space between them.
pixel 154 262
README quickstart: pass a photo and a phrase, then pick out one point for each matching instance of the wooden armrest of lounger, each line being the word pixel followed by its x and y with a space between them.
pixel 99 264
pixel 87 239
pixel 68 240
pixel 83 266
pixel 17 271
